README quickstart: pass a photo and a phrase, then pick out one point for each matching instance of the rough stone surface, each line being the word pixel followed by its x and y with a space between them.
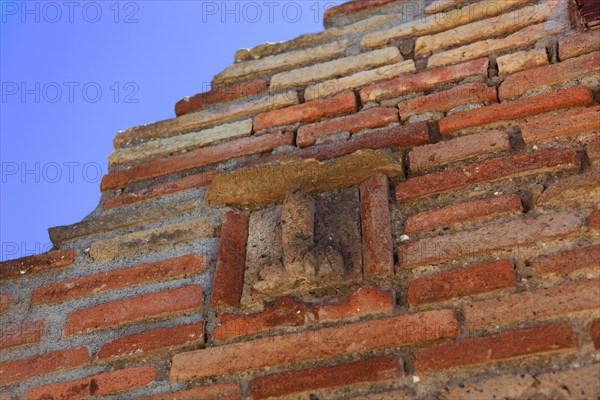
pixel 263 186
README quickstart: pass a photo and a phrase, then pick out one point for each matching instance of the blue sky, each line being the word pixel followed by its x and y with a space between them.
pixel 74 73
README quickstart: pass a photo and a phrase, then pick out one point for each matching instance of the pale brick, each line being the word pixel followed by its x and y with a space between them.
pixel 165 146
pixel 521 60
pixel 525 37
pixel 437 22
pixel 341 66
pixel 149 240
pixel 272 64
pixel 442 5
pixel 335 86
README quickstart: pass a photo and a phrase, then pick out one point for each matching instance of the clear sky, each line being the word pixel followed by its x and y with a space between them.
pixel 74 73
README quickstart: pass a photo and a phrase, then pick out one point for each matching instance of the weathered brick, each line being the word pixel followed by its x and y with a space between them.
pixel 152 239
pixel 97 385
pixel 285 383
pixel 225 391
pixel 462 282
pixel 368 119
pixel 288 312
pixel 487 171
pixel 492 237
pixel 521 60
pixel 397 137
pixel 188 141
pixel 525 37
pixel 127 277
pixel 595 332
pixel 339 67
pixel 573 122
pixel 315 345
pixel 19 370
pixel 204 118
pixel 534 305
pixel 281 62
pixel 502 346
pixel 442 5
pixel 446 100
pixel 220 95
pixel 484 29
pixel 458 149
pixel 21 333
pixel 38 263
pixel 378 256
pixel 572 69
pixel 152 340
pixel 118 220
pixel 161 189
pixel 566 262
pixel 593 151
pixel 461 212
pixel 577 96
pixel 266 185
pixel 351 7
pixel 133 310
pixel 577 44
pixel 231 261
pixel 196 158
pixel 579 189
pixel 307 112
pixel 6 301
pixel 423 81
pixel 593 220
pixel 437 23
pixel 357 80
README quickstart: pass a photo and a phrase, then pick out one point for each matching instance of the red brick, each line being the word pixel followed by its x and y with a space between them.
pixel 518 84
pixel 306 112
pixel 573 122
pixel 19 370
pixel 462 282
pixel 502 346
pixel 152 340
pixel 487 171
pixel 577 44
pixel 142 274
pixel 534 305
pixel 98 385
pixel 162 189
pixel 137 309
pixel 351 7
pixel 446 100
pixel 593 151
pixel 566 262
pixel 196 158
pixel 461 212
pixel 594 220
pixel 424 81
pixel 315 345
pixel 220 95
pixel 458 149
pixel 595 332
pixel 396 138
pixel 226 391
pixel 378 256
pixel 286 383
pixel 38 263
pixel 20 333
pixel 231 261
pixel 6 301
pixel 289 312
pixel 574 97
pixel 368 119
pixel 502 236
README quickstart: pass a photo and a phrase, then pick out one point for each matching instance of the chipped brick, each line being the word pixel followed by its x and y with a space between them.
pixel 36 264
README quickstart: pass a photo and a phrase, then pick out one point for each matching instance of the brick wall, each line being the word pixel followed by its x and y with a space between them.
pixel 405 205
